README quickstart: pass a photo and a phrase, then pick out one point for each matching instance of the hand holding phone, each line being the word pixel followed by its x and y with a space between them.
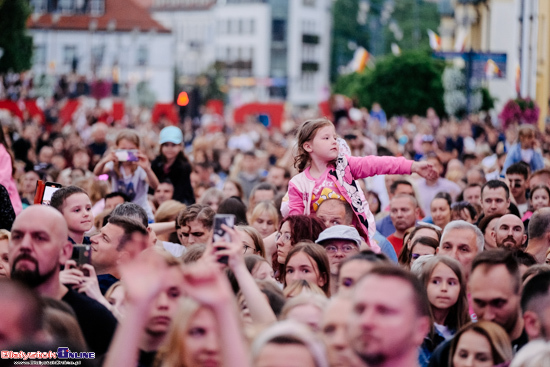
pixel 220 235
pixel 127 155
pixel 82 254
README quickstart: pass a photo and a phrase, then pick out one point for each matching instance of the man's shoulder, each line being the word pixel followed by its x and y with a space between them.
pixel 83 304
pixel 383 221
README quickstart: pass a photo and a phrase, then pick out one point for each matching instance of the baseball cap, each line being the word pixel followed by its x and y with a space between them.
pixel 340 232
pixel 171 134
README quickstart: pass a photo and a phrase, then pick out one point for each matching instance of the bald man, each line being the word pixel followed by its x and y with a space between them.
pixel 38 247
pixel 509 232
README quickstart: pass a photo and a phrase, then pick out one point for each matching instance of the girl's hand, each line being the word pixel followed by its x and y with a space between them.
pixel 111 157
pixel 234 250
pixel 207 285
pixel 425 169
pixel 144 278
pixel 143 161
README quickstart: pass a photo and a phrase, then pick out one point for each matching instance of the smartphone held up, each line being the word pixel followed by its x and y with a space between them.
pixel 220 235
pixel 127 155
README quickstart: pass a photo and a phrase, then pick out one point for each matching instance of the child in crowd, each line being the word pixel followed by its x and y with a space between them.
pixel 327 171
pixel 539 198
pixel 172 164
pixel 446 289
pixel 76 207
pixel 130 177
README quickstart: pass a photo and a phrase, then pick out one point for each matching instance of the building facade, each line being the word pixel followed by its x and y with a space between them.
pixel 518 28
pixel 114 40
pixel 266 50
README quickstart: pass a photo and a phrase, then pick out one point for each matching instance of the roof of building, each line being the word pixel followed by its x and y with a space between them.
pixel 120 16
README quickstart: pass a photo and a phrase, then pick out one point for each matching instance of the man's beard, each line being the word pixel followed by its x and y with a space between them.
pixel 509 243
pixel 31 278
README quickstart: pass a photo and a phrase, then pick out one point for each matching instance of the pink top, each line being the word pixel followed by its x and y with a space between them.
pixel 324 188
pixel 6 179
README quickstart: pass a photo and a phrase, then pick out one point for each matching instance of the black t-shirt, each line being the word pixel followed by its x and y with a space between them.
pixel 179 173
pixel 105 282
pixel 146 359
pixel 97 323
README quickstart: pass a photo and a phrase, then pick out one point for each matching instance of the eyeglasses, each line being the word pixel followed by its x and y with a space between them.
pixel 194 234
pixel 285 237
pixel 345 249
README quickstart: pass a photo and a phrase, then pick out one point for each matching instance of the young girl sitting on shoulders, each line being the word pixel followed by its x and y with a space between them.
pixel 327 171
pixel 130 177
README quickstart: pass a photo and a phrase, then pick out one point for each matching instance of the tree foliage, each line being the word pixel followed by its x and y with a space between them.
pixel 17 45
pixel 414 17
pixel 404 85
pixel 346 31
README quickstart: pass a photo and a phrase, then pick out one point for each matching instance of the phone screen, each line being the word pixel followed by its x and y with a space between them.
pixel 82 254
pixel 124 155
pixel 48 192
pixel 220 234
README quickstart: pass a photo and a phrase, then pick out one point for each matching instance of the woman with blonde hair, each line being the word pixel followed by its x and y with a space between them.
pixel 286 343
pixel 5 269
pixel 480 344
pixel 306 309
pixel 265 218
pixel 302 286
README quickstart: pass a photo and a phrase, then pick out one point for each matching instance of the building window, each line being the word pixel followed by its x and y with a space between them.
pixel 278 30
pixel 97 7
pixel 39 55
pixel 142 55
pixel 309 2
pixel 39 6
pixel 66 6
pixel 69 54
pixel 311 39
pixel 240 26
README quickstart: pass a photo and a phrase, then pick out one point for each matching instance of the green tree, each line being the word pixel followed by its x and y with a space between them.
pixel 346 32
pixel 14 41
pixel 404 85
pixel 414 18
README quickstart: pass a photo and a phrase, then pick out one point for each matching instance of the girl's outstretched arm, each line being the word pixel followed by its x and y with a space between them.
pixel 361 167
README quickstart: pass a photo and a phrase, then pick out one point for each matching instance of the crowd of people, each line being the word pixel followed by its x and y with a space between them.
pixel 357 241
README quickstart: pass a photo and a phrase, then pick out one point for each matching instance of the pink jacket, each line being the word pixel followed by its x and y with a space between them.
pixel 347 170
pixel 6 179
